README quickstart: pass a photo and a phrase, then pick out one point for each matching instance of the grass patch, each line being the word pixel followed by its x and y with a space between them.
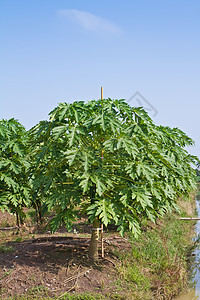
pixel 5 248
pixel 156 267
pixel 18 239
pixel 82 296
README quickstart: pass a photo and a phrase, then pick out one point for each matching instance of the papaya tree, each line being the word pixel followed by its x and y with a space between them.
pixel 14 183
pixel 112 158
pixel 37 176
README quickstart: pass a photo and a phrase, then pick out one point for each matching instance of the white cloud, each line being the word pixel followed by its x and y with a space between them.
pixel 90 21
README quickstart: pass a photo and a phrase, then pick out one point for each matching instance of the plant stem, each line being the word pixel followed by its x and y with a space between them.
pixel 93 250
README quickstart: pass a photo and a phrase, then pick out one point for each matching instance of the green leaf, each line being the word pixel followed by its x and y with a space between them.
pixel 143 199
pixel 72 136
pixel 71 156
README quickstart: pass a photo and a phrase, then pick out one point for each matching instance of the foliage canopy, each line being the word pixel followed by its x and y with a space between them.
pixel 112 160
pixel 14 183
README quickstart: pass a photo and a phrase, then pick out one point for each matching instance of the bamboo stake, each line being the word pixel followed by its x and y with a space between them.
pixel 102 245
pixel 101 93
pixel 190 218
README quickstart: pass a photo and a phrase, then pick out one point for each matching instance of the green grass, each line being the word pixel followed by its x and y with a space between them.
pixel 156 265
pixel 31 216
pixel 82 296
pixel 5 248
pixel 18 239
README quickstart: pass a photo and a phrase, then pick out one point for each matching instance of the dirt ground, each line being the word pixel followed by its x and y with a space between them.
pixel 52 265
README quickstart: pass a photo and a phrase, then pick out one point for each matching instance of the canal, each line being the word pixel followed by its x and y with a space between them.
pixel 194 293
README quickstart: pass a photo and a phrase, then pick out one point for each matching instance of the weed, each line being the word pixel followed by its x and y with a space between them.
pixel 6 273
pixel 84 296
pixel 38 290
pixel 18 239
pixel 5 248
pixel 156 264
pixel 31 216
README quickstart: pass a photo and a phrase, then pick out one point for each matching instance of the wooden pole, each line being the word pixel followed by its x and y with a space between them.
pixel 102 246
pixel 190 218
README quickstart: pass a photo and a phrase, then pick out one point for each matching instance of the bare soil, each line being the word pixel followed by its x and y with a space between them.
pixel 52 265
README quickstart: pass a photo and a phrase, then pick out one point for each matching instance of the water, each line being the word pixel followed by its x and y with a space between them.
pixel 194 293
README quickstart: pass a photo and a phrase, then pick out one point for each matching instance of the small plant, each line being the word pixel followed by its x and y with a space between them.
pixel 38 290
pixel 31 216
pixel 18 239
pixel 5 248
pixel 84 296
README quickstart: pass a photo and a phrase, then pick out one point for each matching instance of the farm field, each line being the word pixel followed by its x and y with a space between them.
pixel 56 266
pixel 99 150
pixel 93 166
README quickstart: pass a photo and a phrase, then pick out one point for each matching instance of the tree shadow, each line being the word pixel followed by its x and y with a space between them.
pixel 50 254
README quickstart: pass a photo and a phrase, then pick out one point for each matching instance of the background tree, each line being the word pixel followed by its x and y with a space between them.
pixel 143 171
pixel 38 180
pixel 14 184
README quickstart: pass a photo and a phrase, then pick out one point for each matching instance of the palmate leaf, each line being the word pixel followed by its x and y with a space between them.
pixel 128 222
pixel 25 193
pixel 102 121
pixel 14 200
pixel 129 146
pixel 114 123
pixel 17 149
pixel 4 163
pixel 143 199
pixel 13 166
pixel 71 135
pixel 62 111
pixel 84 183
pixel 178 183
pixel 151 215
pixel 9 181
pixel 134 226
pixel 76 115
pixel 71 156
pixel 156 192
pixel 55 222
pixel 164 172
pixel 86 161
pixel 103 210
pixel 169 191
pixel 146 171
pixel 59 130
pixel 119 143
pixel 100 187
pixel 110 145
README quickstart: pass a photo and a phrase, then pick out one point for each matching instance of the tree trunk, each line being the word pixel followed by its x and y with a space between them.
pixel 93 250
pixel 39 208
pixel 36 214
pixel 17 219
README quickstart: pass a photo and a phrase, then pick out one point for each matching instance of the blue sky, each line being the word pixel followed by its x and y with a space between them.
pixel 58 50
